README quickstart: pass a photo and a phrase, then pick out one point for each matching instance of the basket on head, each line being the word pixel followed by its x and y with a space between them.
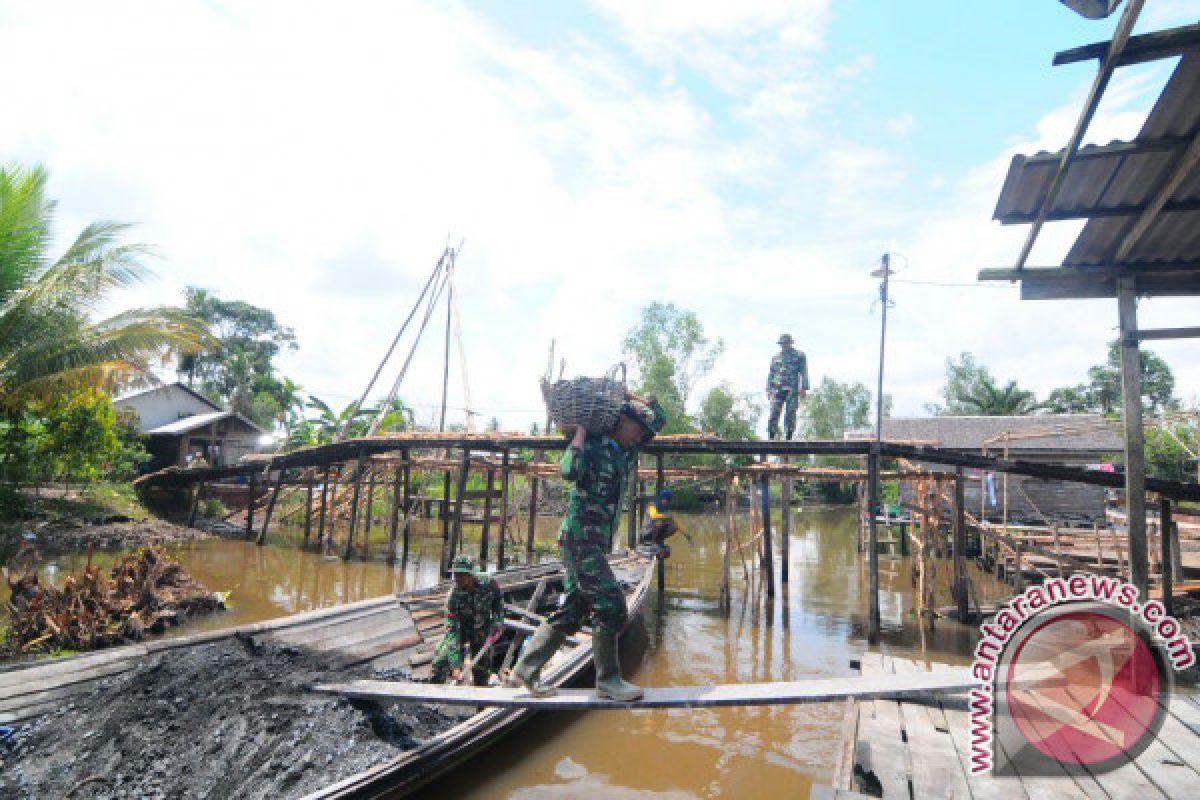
pixel 594 403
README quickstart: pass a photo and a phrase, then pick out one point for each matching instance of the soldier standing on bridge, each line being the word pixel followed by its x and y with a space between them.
pixel 787 383
pixel 597 467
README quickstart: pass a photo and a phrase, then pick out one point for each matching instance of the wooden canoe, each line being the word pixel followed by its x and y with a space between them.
pixel 396 632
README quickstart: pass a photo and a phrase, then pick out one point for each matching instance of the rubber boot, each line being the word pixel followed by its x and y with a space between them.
pixel 608 671
pixel 538 650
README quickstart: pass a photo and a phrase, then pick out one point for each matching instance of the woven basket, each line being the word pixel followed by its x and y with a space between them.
pixel 594 403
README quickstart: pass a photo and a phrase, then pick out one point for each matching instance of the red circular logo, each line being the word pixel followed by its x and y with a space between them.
pixel 1084 688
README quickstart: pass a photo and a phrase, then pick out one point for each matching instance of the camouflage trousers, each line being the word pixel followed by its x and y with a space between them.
pixel 786 402
pixel 449 657
pixel 592 589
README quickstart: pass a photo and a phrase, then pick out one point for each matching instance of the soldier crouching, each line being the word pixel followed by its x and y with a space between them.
pixel 474 619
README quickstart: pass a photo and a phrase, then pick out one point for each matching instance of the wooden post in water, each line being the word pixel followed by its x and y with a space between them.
pixel 873 544
pixel 464 471
pixel 960 546
pixel 195 504
pixel 1164 534
pixel 768 557
pixel 446 506
pixel 394 513
pixel 250 504
pixel 631 538
pixel 1135 438
pixel 354 498
pixel 369 512
pixel 660 483
pixel 487 518
pixel 505 476
pixel 533 501
pixel 308 503
pixel 408 503
pixel 726 600
pixel 785 533
pixel 321 539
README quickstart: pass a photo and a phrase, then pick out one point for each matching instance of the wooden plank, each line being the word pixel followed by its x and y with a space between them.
pixel 881 748
pixel 923 685
pixel 940 773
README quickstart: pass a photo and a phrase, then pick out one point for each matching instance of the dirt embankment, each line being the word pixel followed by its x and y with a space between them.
pixel 230 719
pixel 69 537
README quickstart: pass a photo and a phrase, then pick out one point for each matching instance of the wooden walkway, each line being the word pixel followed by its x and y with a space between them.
pixel 912 751
pixel 926 685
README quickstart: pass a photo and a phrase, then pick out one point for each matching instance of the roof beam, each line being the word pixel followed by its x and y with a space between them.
pixel 1136 269
pixel 1137 147
pixel 1139 49
pixel 1179 171
pixel 1060 214
pixel 1167 333
pixel 1107 66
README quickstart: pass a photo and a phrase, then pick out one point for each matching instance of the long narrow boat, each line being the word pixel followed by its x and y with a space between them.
pixel 393 633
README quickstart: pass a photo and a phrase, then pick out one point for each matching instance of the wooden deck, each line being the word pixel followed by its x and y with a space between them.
pixel 912 751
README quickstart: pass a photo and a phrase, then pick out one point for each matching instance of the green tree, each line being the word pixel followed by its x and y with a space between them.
pixel 834 408
pixel 1103 392
pixel 671 354
pixel 727 414
pixel 322 423
pixel 1077 399
pixel 239 370
pixel 49 340
pixel 1171 451
pixel 970 389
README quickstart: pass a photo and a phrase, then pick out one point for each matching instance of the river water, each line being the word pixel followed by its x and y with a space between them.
pixel 813 628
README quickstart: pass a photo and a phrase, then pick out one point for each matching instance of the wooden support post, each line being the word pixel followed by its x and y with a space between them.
pixel 369 512
pixel 487 518
pixel 726 600
pixel 1135 454
pixel 195 504
pixel 1058 554
pixel 408 502
pixel 1165 525
pixel 354 498
pixel 446 506
pixel 533 501
pixel 505 477
pixel 456 532
pixel 960 546
pixel 308 504
pixel 873 622
pixel 631 537
pixel 660 483
pixel 640 499
pixel 1019 571
pixel 394 511
pixel 250 504
pixel 1176 553
pixel 1100 568
pixel 785 533
pixel 768 556
pixel 321 539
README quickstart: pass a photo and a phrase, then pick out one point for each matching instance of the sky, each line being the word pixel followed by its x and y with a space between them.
pixel 747 161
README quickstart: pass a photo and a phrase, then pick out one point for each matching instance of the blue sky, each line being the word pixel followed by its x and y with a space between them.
pixel 746 161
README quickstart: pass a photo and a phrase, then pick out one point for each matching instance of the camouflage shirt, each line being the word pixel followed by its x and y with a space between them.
pixel 472 614
pixel 789 372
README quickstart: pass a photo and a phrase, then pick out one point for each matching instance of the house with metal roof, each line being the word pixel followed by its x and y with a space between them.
pixel 179 424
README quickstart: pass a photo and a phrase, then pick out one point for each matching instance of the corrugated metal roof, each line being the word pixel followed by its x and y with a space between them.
pixel 1122 177
pixel 198 421
pixel 1088 433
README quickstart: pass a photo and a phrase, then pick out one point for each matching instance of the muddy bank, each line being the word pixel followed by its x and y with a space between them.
pixel 126 534
pixel 230 719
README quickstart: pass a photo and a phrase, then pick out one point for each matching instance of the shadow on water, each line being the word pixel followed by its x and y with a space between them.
pixel 812 628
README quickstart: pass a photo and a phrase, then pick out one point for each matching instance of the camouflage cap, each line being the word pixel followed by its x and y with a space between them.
pixel 786 339
pixel 462 564
pixel 650 416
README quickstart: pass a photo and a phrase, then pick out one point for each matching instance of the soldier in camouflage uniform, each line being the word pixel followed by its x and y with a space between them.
pixel 787 383
pixel 597 467
pixel 475 618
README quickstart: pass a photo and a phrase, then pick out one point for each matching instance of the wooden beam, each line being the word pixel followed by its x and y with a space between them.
pixel 407 470
pixel 768 554
pixel 394 512
pixel 321 520
pixel 918 685
pixel 464 472
pixel 505 479
pixel 308 508
pixel 1138 49
pixel 1109 63
pixel 533 501
pixel 1167 333
pixel 960 547
pixel 487 518
pixel 1096 212
pixel 358 471
pixel 1164 533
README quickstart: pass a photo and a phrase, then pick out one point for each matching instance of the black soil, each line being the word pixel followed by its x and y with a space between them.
pixel 230 719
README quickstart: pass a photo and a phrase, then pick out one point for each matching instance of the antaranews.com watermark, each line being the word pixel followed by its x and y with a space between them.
pixel 1073 672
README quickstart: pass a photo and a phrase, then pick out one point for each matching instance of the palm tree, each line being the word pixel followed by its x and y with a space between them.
pixel 988 399
pixel 49 340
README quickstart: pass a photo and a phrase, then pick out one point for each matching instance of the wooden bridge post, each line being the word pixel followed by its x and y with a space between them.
pixel 785 533
pixel 369 516
pixel 308 503
pixel 354 498
pixel 768 557
pixel 446 506
pixel 730 500
pixel 324 508
pixel 533 501
pixel 250 504
pixel 873 544
pixel 660 483
pixel 394 513
pixel 408 503
pixel 505 477
pixel 451 548
pixel 631 537
pixel 1165 525
pixel 487 518
pixel 960 546
pixel 195 504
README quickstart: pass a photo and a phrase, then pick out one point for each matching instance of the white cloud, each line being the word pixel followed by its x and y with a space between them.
pixel 902 124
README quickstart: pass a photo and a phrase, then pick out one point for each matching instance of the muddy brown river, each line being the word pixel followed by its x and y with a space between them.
pixel 813 628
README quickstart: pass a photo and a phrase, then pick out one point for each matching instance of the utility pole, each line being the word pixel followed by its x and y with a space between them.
pixel 884 273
